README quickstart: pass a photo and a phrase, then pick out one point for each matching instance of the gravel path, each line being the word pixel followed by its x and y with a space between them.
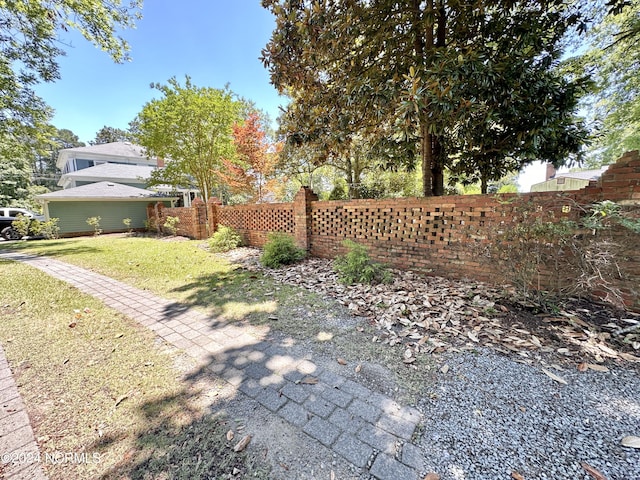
pixel 492 416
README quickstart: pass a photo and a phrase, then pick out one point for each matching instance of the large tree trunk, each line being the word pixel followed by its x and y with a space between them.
pixel 426 154
pixel 423 48
pixel 437 166
pixel 354 192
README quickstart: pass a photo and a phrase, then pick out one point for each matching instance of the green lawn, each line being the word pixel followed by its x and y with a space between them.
pixel 96 382
pixel 187 272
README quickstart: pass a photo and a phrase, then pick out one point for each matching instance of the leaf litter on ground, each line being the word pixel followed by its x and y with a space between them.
pixel 431 314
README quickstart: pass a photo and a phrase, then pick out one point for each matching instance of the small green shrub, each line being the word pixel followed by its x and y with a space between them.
pixel 279 250
pixel 225 239
pixel 22 225
pixel 171 225
pixel 356 266
pixel 48 229
pixel 127 223
pixel 151 225
pixel 95 223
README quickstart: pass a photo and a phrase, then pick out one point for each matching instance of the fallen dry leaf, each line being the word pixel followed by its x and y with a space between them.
pixel 444 369
pixel 516 476
pixel 631 442
pixel 230 435
pixel 630 358
pixel 432 476
pixel 592 471
pixel 555 377
pixel 121 399
pixel 583 367
pixel 242 444
pixel 597 368
pixel 309 380
pixel 358 368
pixel 342 361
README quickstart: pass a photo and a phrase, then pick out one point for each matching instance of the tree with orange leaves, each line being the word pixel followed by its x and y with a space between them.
pixel 258 154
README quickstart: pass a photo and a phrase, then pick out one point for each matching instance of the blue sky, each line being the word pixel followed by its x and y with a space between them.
pixel 212 41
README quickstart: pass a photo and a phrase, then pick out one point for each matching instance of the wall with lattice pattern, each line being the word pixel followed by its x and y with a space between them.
pixel 255 222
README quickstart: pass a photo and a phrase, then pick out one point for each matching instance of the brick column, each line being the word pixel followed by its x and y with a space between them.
pixel 159 215
pixel 302 216
pixel 212 210
pixel 199 212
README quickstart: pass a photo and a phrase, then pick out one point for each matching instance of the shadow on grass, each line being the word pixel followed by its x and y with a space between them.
pixel 185 434
pixel 234 295
pixel 52 248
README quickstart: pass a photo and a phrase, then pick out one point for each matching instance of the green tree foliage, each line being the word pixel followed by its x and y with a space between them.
pixel 224 239
pixel 613 60
pixel 191 127
pixel 17 153
pixel 45 172
pixel 30 46
pixel 111 134
pixel 468 86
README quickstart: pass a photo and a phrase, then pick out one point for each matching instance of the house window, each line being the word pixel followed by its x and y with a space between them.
pixel 560 181
pixel 82 164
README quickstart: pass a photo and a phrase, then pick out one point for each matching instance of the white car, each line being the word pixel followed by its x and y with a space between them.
pixel 15 211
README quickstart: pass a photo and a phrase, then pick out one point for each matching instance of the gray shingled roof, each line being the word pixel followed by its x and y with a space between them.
pixel 115 149
pixel 114 171
pixel 101 191
pixel 584 174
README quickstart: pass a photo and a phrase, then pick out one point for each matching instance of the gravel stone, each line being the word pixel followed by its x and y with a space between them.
pixel 496 416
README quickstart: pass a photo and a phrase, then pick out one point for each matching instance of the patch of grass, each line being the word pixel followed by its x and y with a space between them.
pixel 185 272
pixel 95 382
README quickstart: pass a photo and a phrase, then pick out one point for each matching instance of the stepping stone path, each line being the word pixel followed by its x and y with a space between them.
pixel 369 430
pixel 19 454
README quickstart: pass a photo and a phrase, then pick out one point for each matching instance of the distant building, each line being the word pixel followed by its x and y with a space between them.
pixel 568 181
pixel 123 163
pixel 109 182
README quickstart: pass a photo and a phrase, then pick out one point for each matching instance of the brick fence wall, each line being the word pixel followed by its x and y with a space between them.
pixel 446 236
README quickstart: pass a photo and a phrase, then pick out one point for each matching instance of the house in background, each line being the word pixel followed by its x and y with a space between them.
pixel 109 181
pixel 556 182
pixel 112 202
pixel 119 162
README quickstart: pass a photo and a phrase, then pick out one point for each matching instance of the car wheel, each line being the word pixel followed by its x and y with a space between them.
pixel 11 233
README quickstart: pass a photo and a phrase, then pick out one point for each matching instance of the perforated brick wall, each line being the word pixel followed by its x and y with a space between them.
pixel 448 236
pixel 255 222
